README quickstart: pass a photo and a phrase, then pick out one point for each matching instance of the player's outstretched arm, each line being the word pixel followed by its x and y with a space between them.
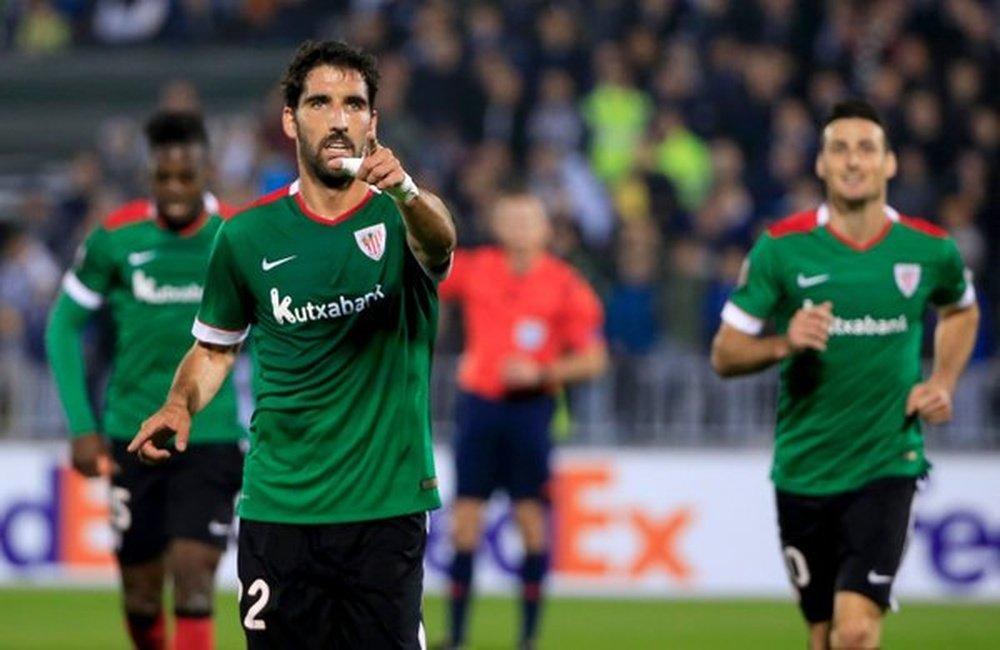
pixel 954 338
pixel 198 378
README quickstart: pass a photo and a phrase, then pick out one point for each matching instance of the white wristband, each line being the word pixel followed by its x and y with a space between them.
pixel 405 192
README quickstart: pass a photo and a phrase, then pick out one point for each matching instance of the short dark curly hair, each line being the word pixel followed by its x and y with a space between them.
pixel 334 53
pixel 168 127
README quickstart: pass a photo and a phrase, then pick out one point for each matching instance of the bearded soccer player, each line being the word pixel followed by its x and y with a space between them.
pixel 847 286
pixel 147 262
pixel 532 325
pixel 337 275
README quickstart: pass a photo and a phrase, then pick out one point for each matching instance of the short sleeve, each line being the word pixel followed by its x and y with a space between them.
pixel 453 287
pixel 954 287
pixel 93 272
pixel 583 315
pixel 758 290
pixel 223 317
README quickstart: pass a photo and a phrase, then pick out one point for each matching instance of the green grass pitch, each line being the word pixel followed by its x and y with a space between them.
pixel 67 619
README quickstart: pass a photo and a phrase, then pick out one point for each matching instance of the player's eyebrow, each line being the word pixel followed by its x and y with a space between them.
pixel 312 97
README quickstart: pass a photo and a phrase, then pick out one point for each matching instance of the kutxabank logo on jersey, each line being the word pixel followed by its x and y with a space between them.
pixel 869 326
pixel 146 289
pixel 286 312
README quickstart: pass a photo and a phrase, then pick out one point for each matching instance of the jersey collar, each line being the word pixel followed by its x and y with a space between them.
pixel 293 191
pixel 823 220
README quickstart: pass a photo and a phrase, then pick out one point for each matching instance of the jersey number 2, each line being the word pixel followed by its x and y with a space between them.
pixel 259 590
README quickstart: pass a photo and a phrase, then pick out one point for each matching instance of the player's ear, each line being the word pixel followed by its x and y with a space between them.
pixel 820 166
pixel 891 165
pixel 288 124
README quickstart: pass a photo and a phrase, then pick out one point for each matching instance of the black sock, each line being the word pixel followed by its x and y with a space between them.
pixel 461 580
pixel 533 572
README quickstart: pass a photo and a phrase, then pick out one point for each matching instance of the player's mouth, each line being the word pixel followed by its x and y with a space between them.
pixel 176 209
pixel 338 148
pixel 853 181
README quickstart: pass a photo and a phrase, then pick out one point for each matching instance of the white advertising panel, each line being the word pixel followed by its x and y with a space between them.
pixel 657 523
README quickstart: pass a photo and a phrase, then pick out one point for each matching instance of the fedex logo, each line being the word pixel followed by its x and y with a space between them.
pixel 591 539
pixel 64 522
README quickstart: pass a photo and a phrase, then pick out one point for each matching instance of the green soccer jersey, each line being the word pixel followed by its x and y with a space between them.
pixel 841 418
pixel 344 319
pixel 151 278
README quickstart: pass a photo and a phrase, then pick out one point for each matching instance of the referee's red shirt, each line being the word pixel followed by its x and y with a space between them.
pixel 542 314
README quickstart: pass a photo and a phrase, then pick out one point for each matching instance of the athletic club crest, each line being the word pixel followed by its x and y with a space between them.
pixel 371 240
pixel 907 278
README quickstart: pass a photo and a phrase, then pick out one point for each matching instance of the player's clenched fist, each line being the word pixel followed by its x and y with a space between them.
pixel 930 401
pixel 809 328
pixel 157 430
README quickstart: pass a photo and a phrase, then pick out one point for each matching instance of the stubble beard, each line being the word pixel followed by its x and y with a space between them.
pixel 334 179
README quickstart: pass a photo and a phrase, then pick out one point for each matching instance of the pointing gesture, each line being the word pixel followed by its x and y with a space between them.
pixel 381 168
pixel 157 430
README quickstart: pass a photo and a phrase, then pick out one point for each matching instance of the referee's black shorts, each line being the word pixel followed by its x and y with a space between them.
pixel 333 586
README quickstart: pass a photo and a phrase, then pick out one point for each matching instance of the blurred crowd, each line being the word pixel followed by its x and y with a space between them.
pixel 661 134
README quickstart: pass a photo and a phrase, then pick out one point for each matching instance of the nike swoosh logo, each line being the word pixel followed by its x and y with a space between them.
pixel 812 280
pixel 141 257
pixel 879 578
pixel 267 266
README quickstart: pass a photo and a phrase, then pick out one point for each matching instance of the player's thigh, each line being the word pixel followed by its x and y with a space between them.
pixel 807 527
pixel 477 461
pixel 528 447
pixel 874 527
pixel 382 608
pixel 284 596
pixel 138 507
pixel 203 488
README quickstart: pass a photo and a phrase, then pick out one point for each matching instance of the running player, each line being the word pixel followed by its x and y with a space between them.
pixel 847 286
pixel 147 262
pixel 337 275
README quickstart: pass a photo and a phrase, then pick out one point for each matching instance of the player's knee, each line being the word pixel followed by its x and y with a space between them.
pixel 194 589
pixel 194 603
pixel 855 633
pixel 464 537
pixel 143 602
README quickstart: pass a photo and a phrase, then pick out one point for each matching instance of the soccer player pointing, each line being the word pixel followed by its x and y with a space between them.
pixel 337 275
pixel 847 286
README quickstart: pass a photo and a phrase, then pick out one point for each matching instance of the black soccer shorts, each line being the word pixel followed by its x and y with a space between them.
pixel 333 586
pixel 190 496
pixel 853 541
pixel 503 444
